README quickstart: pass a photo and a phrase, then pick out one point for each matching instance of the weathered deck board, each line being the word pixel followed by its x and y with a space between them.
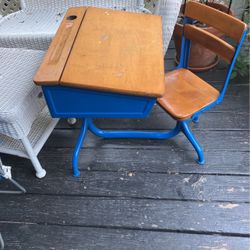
pixel 138 185
pixel 139 160
pixel 185 216
pixel 65 238
pixel 223 163
pixel 160 121
pixel 229 140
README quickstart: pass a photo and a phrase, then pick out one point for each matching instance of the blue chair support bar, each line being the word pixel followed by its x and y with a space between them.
pixel 133 134
pixel 181 126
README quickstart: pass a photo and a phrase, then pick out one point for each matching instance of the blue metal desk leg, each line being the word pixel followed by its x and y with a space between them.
pixel 80 140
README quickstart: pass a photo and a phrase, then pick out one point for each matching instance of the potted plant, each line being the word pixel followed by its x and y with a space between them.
pixel 200 58
pixel 241 68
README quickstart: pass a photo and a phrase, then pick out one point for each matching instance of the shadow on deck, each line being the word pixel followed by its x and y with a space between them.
pixel 139 194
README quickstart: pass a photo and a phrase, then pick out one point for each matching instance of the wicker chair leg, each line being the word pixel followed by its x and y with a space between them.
pixel 40 172
pixel 1 242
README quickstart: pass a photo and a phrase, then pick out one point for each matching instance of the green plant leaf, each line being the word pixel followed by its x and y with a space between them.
pixel 234 74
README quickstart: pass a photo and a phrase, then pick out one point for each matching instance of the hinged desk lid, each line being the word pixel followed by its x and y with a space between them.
pixel 106 50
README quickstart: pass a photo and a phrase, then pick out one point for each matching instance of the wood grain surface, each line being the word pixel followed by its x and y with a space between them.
pixel 106 50
pixel 230 25
pixel 210 41
pixel 51 69
pixel 117 51
pixel 186 94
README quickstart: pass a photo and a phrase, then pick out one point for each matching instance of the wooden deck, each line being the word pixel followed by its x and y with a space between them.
pixel 139 194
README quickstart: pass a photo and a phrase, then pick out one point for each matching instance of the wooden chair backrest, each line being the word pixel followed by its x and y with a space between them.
pixel 210 41
pixel 225 23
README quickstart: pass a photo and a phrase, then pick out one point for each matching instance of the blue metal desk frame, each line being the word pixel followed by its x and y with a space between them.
pixel 65 102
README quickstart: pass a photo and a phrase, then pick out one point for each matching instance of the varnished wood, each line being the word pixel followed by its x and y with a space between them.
pixel 53 64
pixel 206 39
pixel 117 51
pixel 210 41
pixel 106 50
pixel 230 25
pixel 186 94
pixel 178 30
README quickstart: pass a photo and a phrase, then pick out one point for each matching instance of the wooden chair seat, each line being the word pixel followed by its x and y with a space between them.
pixel 185 94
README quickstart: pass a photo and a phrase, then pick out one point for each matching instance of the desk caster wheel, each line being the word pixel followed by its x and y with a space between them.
pixel 71 121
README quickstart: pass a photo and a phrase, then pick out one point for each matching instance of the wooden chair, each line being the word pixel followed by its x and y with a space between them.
pixel 186 95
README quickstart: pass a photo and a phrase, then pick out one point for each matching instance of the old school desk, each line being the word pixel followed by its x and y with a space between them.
pixel 104 63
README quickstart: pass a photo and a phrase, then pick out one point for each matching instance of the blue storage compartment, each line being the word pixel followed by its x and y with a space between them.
pixel 66 102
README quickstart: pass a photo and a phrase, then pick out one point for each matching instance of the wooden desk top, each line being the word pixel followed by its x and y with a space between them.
pixel 106 50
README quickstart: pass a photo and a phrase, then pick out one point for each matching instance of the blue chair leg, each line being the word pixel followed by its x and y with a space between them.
pixel 188 133
pixel 80 140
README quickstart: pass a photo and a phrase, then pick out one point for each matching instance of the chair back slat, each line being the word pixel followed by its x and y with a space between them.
pixel 210 41
pixel 229 25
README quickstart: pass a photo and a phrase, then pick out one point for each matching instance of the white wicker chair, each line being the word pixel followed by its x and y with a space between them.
pixel 9 6
pixel 35 25
pixel 25 122
pixel 169 10
pixel 44 4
